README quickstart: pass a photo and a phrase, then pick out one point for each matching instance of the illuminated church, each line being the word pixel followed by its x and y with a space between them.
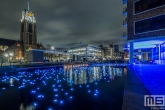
pixel 16 50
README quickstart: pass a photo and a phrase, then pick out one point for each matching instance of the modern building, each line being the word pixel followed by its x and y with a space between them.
pixel 145 24
pixel 108 53
pixel 116 48
pixel 37 55
pixel 28 39
pixel 86 51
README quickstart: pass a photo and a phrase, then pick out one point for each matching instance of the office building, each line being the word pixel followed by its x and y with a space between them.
pixel 145 22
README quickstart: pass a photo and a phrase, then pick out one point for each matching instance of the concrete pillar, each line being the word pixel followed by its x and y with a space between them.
pixel 152 54
pixel 131 53
pixel 159 54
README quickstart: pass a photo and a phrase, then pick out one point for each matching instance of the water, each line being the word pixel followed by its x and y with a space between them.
pixel 71 87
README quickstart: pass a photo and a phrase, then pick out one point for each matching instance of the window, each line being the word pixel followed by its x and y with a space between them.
pixel 30 28
pixel 22 27
pixel 150 24
pixel 30 39
pixel 157 3
pixel 144 5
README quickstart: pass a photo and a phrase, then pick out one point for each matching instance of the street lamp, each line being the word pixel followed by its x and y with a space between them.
pixel 11 54
pixel 6 56
pixel 11 57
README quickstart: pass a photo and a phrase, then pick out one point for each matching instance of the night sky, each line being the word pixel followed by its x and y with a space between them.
pixel 66 22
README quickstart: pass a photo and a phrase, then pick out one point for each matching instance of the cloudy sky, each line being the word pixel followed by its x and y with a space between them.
pixel 66 22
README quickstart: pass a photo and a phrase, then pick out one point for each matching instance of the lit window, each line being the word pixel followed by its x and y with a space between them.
pixel 18 45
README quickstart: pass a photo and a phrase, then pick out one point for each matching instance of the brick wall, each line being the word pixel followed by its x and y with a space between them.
pixel 140 16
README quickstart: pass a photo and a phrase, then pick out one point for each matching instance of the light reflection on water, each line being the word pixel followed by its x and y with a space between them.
pixel 61 87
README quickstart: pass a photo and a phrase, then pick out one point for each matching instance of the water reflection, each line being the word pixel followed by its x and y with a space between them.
pixel 82 74
pixel 59 86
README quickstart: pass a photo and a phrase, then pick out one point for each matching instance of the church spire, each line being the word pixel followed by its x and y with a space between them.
pixel 28 6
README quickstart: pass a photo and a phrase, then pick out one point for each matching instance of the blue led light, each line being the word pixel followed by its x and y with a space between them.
pixel 35 104
pixel 3 88
pixel 55 100
pixel 71 89
pixel 61 101
pixel 56 95
pixel 71 97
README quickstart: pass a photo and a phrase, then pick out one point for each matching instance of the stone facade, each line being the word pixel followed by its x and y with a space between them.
pixel 28 39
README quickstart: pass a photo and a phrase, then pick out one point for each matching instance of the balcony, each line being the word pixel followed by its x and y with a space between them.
pixel 125 11
pixel 125 35
pixel 124 1
pixel 125 22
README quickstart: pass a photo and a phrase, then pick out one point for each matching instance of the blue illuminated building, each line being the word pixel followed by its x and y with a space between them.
pixel 145 22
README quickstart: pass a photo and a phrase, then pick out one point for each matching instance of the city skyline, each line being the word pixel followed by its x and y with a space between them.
pixel 61 22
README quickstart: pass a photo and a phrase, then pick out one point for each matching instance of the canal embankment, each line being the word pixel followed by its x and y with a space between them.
pixel 134 92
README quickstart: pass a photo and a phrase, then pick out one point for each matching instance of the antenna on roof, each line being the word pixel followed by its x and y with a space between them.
pixel 28 6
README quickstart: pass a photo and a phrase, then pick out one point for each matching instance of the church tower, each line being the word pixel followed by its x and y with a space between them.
pixel 28 35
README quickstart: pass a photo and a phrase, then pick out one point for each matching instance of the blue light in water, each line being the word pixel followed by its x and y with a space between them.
pixel 71 89
pixel 89 91
pixel 40 96
pixel 61 102
pixel 56 95
pixel 50 109
pixel 33 91
pixel 66 93
pixel 35 104
pixel 55 100
pixel 80 86
pixel 55 89
pixel 3 88
pixel 71 97
pixel 87 85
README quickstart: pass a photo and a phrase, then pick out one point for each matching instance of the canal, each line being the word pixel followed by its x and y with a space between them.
pixel 68 87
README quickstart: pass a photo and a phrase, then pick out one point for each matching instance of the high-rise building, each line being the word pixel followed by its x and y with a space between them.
pixel 116 48
pixel 145 24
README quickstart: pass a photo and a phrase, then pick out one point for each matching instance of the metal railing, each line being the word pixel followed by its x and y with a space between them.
pixel 125 11
pixel 125 34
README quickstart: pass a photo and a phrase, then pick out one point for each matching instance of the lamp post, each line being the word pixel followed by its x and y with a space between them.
pixel 6 56
pixel 52 47
pixel 11 57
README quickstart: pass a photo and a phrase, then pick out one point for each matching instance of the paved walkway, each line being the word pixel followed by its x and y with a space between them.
pixel 153 77
pixel 143 80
